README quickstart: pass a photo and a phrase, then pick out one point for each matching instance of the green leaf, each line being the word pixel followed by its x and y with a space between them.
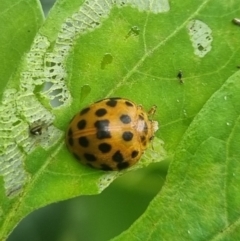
pixel 200 199
pixel 86 51
pixel 19 23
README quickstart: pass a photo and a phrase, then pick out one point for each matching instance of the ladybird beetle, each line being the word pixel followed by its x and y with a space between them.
pixel 110 134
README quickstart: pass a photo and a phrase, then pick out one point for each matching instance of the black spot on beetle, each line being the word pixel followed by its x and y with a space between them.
pixel 134 154
pixel 105 147
pixel 101 112
pixel 103 134
pixel 105 167
pixel 125 119
pixel 122 165
pixel 83 141
pixel 70 132
pixel 84 111
pixel 127 136
pixel 81 124
pixel 112 102
pixel 70 141
pixel 128 103
pixel 102 124
pixel 102 129
pixel 118 157
pixel 90 157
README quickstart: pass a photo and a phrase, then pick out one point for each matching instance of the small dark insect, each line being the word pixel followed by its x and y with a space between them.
pixel 179 76
pixel 36 130
pixel 38 127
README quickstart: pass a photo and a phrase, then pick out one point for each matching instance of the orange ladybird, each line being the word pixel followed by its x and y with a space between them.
pixel 110 134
